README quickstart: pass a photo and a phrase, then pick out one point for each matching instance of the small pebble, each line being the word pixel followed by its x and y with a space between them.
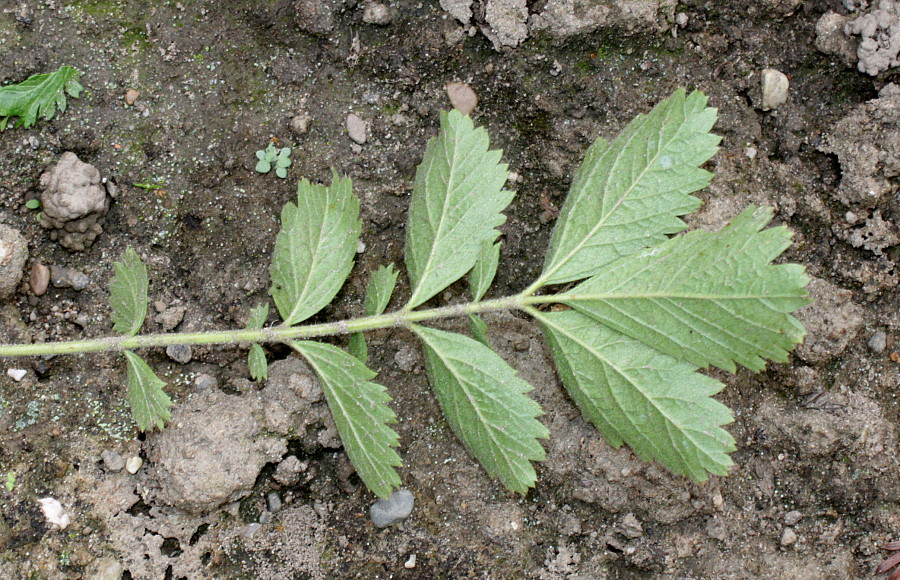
pixel 411 563
pixel 169 318
pixel 181 353
pixel 289 470
pixel 300 124
pixel 273 500
pixel 39 278
pixel 392 510
pixel 251 529
pixel 788 537
pixel 792 518
pixel 131 96
pixel 54 512
pixel 356 128
pixel 377 13
pixel 112 460
pixel 878 342
pixel 133 464
pixel 462 97
pixel 265 518
pixel 774 89
pixel 718 501
pixel 17 374
pixel 62 277
pixel 205 381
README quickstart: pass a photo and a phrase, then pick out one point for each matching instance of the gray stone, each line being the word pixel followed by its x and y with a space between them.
pixel 13 253
pixel 788 537
pixel 62 277
pixel 273 501
pixel 289 471
pixel 112 460
pixel 181 353
pixel 377 13
pixel 356 128
pixel 205 381
pixel 878 342
pixel 300 124
pixel 392 510
pixel 792 518
pixel 774 84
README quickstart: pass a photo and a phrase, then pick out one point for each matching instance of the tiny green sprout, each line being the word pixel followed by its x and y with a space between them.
pixel 271 155
pixel 149 186
pixel 10 481
pixel 33 203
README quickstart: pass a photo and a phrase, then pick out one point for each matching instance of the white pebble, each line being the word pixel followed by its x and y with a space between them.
pixel 774 89
pixel 411 563
pixel 788 537
pixel 133 464
pixel 356 128
pixel 54 512
pixel 16 374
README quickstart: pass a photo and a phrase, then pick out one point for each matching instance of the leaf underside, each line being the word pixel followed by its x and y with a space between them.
pixel 256 357
pixel 378 295
pixel 314 249
pixel 707 298
pixel 128 294
pixel 149 404
pixel 361 413
pixel 456 203
pixel 38 96
pixel 627 194
pixel 486 405
pixel 633 394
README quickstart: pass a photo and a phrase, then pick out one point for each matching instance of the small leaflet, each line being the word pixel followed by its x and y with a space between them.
pixel 659 406
pixel 486 405
pixel 480 279
pixel 149 404
pixel 378 295
pixel 455 207
pixel 256 357
pixel 128 294
pixel 314 249
pixel 360 412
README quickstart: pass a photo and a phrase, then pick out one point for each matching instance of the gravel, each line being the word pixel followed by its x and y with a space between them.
pixel 392 510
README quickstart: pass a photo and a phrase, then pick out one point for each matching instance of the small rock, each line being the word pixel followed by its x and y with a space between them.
pixel 631 527
pixel 377 13
pixel 13 253
pixel 106 569
pixel 133 464
pixel 180 353
pixel 774 89
pixel 681 19
pixel 251 529
pixel 392 510
pixel 62 277
pixel 205 381
pixel 300 124
pixel 17 374
pixel 169 318
pixel 112 460
pixel 717 500
pixel 410 563
pixel 288 471
pixel 462 97
pixel 878 342
pixel 406 358
pixel 54 512
pixel 39 278
pixel 131 96
pixel 273 501
pixel 356 128
pixel 74 202
pixel 793 517
pixel 788 537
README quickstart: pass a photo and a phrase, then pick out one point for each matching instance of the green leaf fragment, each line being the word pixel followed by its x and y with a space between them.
pixel 38 96
pixel 486 405
pixel 482 274
pixel 707 298
pixel 360 412
pixel 257 363
pixel 263 166
pixel 379 290
pixel 456 203
pixel 128 294
pixel 315 248
pixel 282 162
pixel 358 347
pixel 660 407
pixel 478 329
pixel 258 315
pixel 627 194
pixel 33 203
pixel 149 404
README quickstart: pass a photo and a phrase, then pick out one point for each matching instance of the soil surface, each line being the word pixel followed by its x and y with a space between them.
pixel 250 481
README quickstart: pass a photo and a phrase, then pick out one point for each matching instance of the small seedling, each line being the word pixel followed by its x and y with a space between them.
pixel 10 481
pixel 629 313
pixel 149 186
pixel 38 96
pixel 272 156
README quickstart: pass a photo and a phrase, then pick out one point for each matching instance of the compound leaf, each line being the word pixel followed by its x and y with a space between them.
pixel 315 248
pixel 38 96
pixel 456 203
pixel 707 298
pixel 486 405
pixel 128 293
pixel 149 404
pixel 627 194
pixel 360 412
pixel 636 395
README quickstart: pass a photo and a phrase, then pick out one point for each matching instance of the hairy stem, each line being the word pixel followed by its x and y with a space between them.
pixel 400 318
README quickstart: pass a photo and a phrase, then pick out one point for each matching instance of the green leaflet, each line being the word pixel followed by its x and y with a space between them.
pixel 707 298
pixel 38 96
pixel 486 405
pixel 360 412
pixel 478 329
pixel 627 194
pixel 634 394
pixel 378 294
pixel 314 249
pixel 456 204
pixel 149 404
pixel 482 274
pixel 256 358
pixel 128 294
